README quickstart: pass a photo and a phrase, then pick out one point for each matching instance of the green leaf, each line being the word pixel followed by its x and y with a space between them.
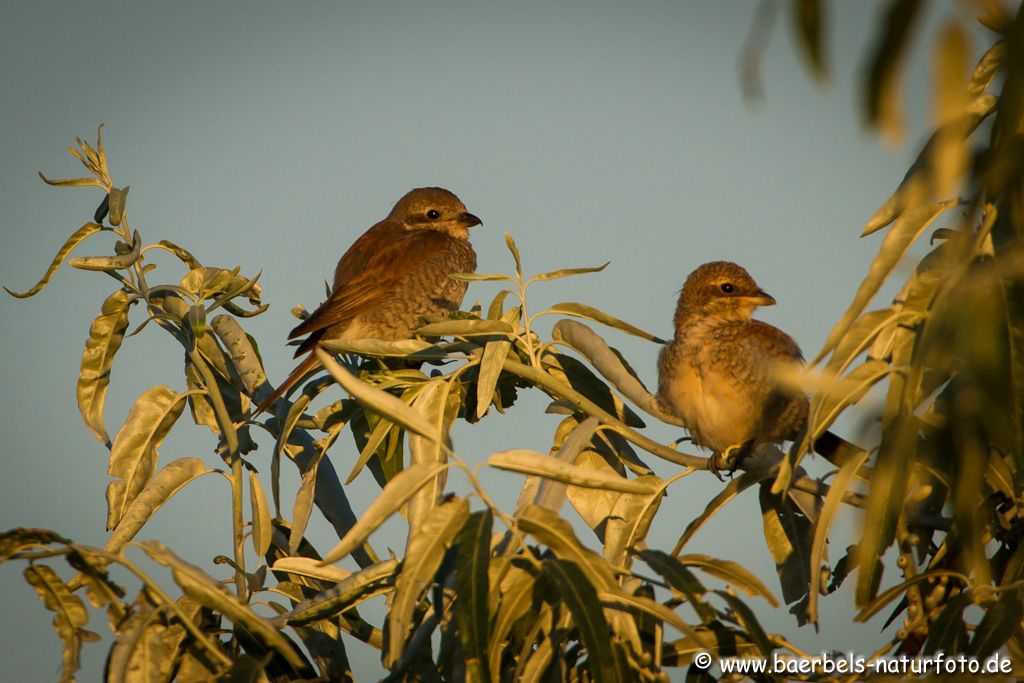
pixel 591 313
pixel 117 199
pixel 432 403
pixel 312 567
pixel 637 603
pixel 606 361
pixel 985 72
pixel 575 589
pixel 788 536
pixel 837 487
pixel 479 277
pixel 548 492
pixel 514 603
pixel 109 263
pixel 133 455
pixel 69 618
pixel 241 350
pixel 567 272
pixel 948 633
pixel 76 238
pixel 881 96
pixel 381 402
pixel 1001 619
pixel 395 494
pixel 473 557
pixel 681 579
pixel 423 554
pixel 495 353
pixel 535 463
pixel 911 223
pixel 71 182
pixel 731 490
pixel 749 622
pixel 262 529
pixel 349 591
pixel 18 539
pixel 414 349
pixel 732 573
pixel 303 506
pixel 105 336
pixel 210 594
pixel 810 27
pixel 511 244
pixel 466 327
pixel 145 649
pixel 173 477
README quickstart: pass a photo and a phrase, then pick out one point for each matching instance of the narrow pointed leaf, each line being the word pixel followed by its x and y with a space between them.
pixel 133 455
pixel 591 313
pixel 395 494
pixel 837 487
pixel 69 611
pixel 384 403
pixel 732 573
pixel 209 593
pixel 511 244
pixel 423 555
pixel 118 197
pixel 577 592
pixel 107 263
pixel 349 591
pixel 173 477
pixel 105 336
pixel 473 557
pixel 535 463
pixel 262 529
pixel 76 238
pixel 567 272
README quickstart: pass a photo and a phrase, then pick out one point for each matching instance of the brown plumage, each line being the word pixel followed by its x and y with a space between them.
pixel 719 373
pixel 392 276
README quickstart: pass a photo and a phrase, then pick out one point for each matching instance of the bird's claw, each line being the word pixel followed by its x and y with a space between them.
pixel 727 461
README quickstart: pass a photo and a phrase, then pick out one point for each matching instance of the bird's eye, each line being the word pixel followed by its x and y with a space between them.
pixel 727 287
pixel 433 214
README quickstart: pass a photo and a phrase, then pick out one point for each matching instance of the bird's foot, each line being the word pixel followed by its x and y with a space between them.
pixel 728 460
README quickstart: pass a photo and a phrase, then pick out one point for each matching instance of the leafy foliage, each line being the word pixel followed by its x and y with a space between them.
pixel 482 593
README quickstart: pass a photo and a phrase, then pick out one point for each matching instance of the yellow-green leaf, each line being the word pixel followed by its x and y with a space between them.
pixel 380 401
pixel 173 477
pixel 395 494
pixel 262 530
pixel 133 455
pixel 530 462
pixel 105 336
pixel 108 263
pixel 76 238
pixel 591 313
pixel 69 618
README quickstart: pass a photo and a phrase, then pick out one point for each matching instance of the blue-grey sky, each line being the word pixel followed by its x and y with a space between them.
pixel 270 135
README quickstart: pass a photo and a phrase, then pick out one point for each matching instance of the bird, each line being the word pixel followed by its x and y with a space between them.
pixel 721 372
pixel 396 273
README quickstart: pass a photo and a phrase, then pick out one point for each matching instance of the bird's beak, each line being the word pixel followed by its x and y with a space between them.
pixel 762 298
pixel 469 220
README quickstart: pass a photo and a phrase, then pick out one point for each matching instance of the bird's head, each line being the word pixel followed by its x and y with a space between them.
pixel 721 289
pixel 434 208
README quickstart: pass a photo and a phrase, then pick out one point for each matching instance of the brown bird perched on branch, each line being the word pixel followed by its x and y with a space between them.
pixel 392 276
pixel 720 372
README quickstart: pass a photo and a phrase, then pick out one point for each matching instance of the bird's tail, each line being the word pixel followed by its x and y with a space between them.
pixel 305 366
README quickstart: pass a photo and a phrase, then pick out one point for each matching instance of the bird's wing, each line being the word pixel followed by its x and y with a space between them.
pixel 772 343
pixel 369 271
